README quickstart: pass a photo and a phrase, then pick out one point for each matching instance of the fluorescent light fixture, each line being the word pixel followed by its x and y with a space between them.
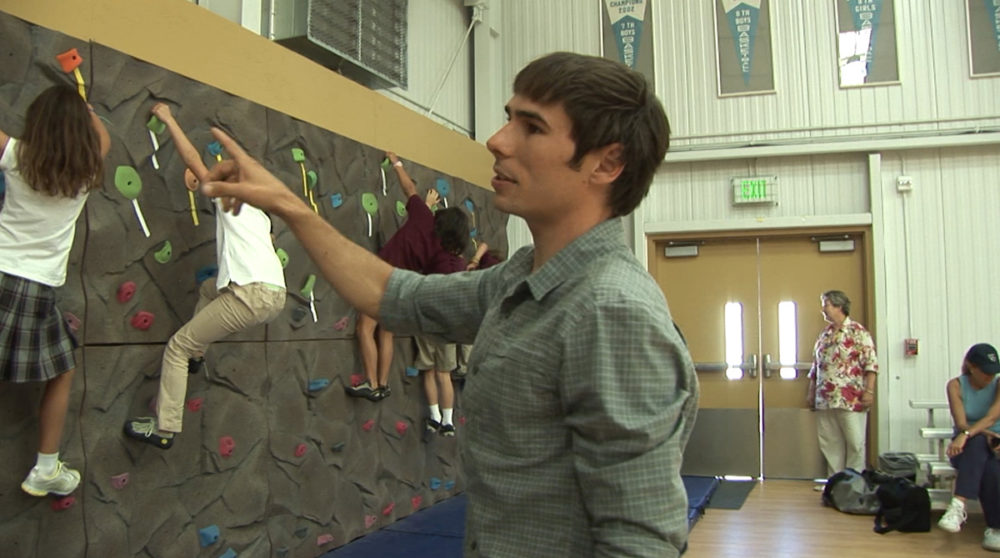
pixel 681 251
pixel 787 338
pixel 734 340
pixel 846 245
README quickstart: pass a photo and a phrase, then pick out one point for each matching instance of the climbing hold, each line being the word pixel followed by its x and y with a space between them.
pixel 318 384
pixel 443 187
pixel 435 483
pixel 416 501
pixel 215 149
pixel 208 535
pixel 194 404
pixel 357 380
pixel 142 320
pixel 400 208
pixel 298 155
pixel 155 125
pixel 386 163
pixel 312 179
pixel 119 481
pixel 449 484
pixel 282 257
pixel 336 200
pixel 206 272
pixel 301 532
pixel 411 371
pixel 72 321
pixel 401 427
pixel 64 503
pixel 163 254
pixel 341 324
pixel 226 446
pixel 461 420
pixel 69 60
pixel 369 202
pixel 128 182
pixel 387 510
pixel 281 552
pixel 125 291
pixel 325 538
pixel 307 288
pixel 368 425
pixel 370 520
pixel 299 313
pixel 338 447
pixel 472 232
pixel 229 553
pixel 469 205
pixel 300 450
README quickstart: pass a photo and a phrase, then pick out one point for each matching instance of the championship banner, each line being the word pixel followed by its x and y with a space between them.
pixel 866 42
pixel 628 35
pixel 743 47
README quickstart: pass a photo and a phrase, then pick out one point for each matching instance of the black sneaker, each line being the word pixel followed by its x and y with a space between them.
pixel 195 365
pixel 144 430
pixel 431 427
pixel 361 390
pixel 448 430
pixel 380 393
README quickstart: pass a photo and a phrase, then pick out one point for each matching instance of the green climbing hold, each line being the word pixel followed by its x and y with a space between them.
pixel 298 155
pixel 128 182
pixel 282 257
pixel 401 208
pixel 311 178
pixel 163 254
pixel 369 202
pixel 156 125
pixel 386 163
pixel 307 289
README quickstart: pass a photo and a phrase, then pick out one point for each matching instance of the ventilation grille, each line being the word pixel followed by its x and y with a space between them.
pixel 368 33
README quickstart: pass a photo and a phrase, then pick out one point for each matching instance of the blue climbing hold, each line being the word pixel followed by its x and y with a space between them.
pixel 229 553
pixel 411 371
pixel 336 200
pixel 435 483
pixel 318 384
pixel 206 272
pixel 215 149
pixel 469 205
pixel 208 535
pixel 449 484
pixel 472 232
pixel 442 187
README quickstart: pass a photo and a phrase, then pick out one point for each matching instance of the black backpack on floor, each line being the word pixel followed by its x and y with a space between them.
pixel 903 506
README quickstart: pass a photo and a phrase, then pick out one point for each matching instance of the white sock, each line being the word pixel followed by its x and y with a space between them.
pixel 47 463
pixel 435 413
pixel 446 416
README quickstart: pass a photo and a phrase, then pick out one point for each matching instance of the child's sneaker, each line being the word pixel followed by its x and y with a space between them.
pixel 195 365
pixel 991 539
pixel 431 427
pixel 62 482
pixel 953 517
pixel 448 430
pixel 361 390
pixel 144 430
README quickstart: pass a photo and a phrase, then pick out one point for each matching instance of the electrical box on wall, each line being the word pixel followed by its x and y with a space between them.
pixel 910 347
pixel 904 184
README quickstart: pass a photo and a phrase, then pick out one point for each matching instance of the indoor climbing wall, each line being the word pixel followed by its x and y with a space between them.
pixel 274 459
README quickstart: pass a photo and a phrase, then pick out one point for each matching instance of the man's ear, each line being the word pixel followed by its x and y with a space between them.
pixel 610 163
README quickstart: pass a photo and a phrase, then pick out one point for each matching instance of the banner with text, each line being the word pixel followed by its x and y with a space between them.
pixel 984 37
pixel 628 34
pixel 743 47
pixel 866 42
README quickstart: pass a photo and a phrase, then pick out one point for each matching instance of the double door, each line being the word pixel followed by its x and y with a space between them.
pixel 749 308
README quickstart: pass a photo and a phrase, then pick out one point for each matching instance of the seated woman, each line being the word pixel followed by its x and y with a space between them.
pixel 975 408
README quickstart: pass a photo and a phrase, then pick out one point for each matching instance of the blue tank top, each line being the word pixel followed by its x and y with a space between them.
pixel 977 401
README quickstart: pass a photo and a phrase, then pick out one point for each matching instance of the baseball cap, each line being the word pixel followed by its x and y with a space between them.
pixel 984 356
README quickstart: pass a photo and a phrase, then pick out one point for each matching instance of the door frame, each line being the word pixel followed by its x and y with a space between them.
pixel 868 261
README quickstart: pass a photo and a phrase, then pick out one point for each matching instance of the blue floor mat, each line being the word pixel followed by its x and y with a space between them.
pixel 699 491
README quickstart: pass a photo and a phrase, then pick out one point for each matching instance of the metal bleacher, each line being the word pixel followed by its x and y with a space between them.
pixel 938 471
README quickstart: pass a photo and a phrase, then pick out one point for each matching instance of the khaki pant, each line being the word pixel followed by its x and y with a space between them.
pixel 217 315
pixel 841 436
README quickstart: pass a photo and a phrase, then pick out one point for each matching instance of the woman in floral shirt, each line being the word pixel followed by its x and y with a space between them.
pixel 842 385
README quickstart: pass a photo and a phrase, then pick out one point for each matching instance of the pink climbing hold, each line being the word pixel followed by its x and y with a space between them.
pixel 142 320
pixel 226 446
pixel 119 481
pixel 300 450
pixel 401 427
pixel 416 501
pixel 126 291
pixel 368 425
pixel 369 521
pixel 341 324
pixel 64 503
pixel 325 538
pixel 386 511
pixel 72 321
pixel 461 420
pixel 357 379
pixel 194 404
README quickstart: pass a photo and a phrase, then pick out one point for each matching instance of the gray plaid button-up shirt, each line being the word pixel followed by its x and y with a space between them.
pixel 580 398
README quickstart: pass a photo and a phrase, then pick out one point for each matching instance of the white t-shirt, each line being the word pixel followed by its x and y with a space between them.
pixel 244 248
pixel 36 229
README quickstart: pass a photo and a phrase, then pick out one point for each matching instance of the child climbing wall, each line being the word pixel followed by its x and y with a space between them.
pixel 48 173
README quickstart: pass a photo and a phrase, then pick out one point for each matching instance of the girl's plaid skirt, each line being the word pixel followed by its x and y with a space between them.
pixel 35 342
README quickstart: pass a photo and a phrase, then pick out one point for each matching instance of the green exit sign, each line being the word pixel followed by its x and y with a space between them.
pixel 755 189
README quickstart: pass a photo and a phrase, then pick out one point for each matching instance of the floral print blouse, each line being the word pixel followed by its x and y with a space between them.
pixel 841 359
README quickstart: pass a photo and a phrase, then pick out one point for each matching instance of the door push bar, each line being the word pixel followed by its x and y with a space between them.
pixel 750 365
pixel 770 366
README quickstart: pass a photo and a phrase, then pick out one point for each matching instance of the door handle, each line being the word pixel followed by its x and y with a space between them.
pixel 750 365
pixel 771 366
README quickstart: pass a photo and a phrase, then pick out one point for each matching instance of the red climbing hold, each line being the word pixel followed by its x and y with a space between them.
pixel 368 425
pixel 194 404
pixel 119 481
pixel 357 379
pixel 401 427
pixel 226 446
pixel 386 511
pixel 69 60
pixel 142 320
pixel 325 538
pixel 126 291
pixel 64 503
pixel 416 501
pixel 300 450
pixel 340 324
pixel 72 321
pixel 369 521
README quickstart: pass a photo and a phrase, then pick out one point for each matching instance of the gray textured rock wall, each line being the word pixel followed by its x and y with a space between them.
pixel 310 469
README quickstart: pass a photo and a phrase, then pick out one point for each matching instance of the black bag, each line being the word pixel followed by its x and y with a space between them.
pixel 904 506
pixel 852 492
pixel 899 464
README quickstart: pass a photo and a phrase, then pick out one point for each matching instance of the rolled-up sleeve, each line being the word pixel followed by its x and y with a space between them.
pixel 448 306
